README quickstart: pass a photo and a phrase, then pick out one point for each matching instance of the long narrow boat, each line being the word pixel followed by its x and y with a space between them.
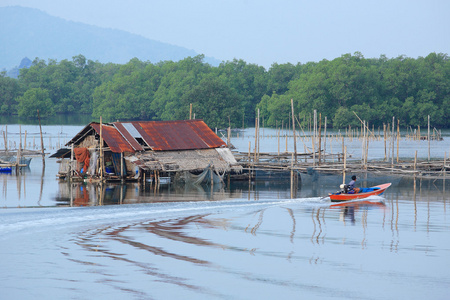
pixel 358 203
pixel 375 190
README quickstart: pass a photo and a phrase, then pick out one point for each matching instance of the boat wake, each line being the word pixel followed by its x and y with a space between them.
pixel 40 219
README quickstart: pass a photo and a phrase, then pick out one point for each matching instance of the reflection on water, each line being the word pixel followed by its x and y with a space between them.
pixel 94 194
pixel 290 248
pixel 228 249
pixel 37 186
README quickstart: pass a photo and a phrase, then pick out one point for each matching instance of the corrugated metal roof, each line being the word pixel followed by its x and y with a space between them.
pixel 113 138
pixel 174 135
pixel 158 135
pixel 126 134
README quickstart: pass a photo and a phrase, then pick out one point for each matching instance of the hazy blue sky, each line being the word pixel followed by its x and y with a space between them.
pixel 267 31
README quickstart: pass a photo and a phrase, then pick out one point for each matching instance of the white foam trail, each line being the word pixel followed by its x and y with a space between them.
pixel 13 220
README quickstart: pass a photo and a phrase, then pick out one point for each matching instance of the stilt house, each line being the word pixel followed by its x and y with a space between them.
pixel 185 150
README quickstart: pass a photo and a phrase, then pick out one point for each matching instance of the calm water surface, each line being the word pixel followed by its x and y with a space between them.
pixel 63 241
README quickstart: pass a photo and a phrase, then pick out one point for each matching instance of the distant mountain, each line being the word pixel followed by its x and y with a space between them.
pixel 28 32
pixel 14 72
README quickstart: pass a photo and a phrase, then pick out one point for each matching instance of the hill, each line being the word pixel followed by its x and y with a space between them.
pixel 27 32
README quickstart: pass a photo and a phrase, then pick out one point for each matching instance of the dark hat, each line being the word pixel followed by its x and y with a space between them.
pixel 354 177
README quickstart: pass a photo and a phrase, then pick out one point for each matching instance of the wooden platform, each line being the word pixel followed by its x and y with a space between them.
pixel 285 161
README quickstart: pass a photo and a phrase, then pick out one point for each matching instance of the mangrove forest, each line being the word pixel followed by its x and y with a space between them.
pixel 375 89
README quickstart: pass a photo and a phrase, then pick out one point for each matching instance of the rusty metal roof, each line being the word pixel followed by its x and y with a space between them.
pixel 156 135
pixel 171 135
pixel 128 136
pixel 113 138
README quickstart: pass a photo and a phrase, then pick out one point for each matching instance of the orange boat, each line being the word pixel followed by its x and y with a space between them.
pixel 375 190
pixel 358 203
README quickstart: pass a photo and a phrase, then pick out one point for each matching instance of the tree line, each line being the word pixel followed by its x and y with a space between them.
pixel 375 89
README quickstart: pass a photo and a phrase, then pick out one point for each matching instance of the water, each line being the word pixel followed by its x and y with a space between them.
pixel 79 241
pixel 230 249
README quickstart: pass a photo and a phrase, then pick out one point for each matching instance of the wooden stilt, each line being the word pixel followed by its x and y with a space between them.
pixel 101 151
pixel 122 175
pixel 292 176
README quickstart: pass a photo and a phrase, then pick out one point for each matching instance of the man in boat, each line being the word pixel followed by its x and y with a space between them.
pixel 351 189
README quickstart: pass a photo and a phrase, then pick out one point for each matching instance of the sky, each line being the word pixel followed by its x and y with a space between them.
pixel 264 32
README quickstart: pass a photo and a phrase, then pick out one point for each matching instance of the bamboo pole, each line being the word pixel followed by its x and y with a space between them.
pixel 314 138
pixel 71 160
pixel 121 166
pixel 212 178
pixel 445 171
pixel 320 136
pixel 428 137
pixel 278 138
pixel 363 144
pixel 398 137
pixel 331 151
pixel 384 134
pixel 286 136
pixel 5 138
pixel 101 150
pixel 19 154
pixel 392 141
pixel 42 139
pixel 325 141
pixel 415 163
pixel 190 111
pixel 306 156
pixel 256 139
pixel 367 147
pixel 258 135
pixel 292 176
pixel 345 164
pixel 293 130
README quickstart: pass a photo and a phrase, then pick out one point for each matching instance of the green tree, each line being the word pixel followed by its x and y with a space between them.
pixel 32 100
pixel 377 89
pixel 177 80
pixel 127 96
pixel 10 89
pixel 215 102
pixel 248 80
